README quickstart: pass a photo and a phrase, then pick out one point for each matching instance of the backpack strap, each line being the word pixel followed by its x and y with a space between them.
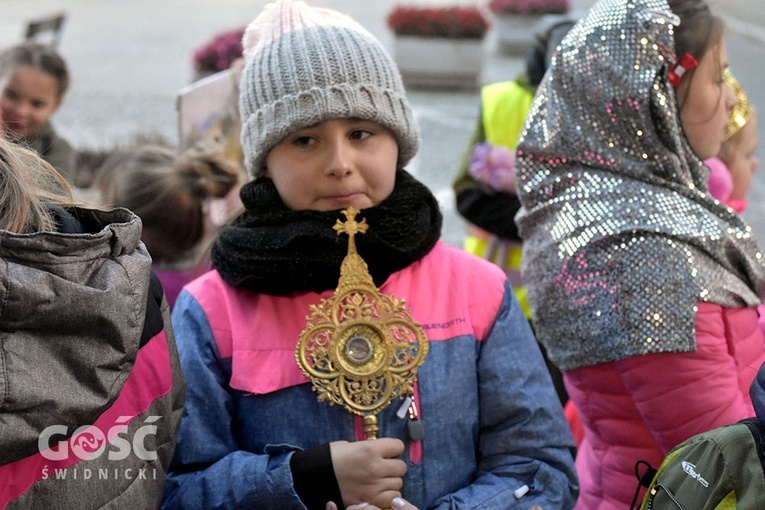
pixel 644 480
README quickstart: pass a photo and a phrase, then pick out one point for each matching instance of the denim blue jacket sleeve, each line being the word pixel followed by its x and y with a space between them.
pixel 207 456
pixel 524 437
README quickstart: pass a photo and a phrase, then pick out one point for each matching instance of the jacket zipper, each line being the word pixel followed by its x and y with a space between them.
pixel 656 488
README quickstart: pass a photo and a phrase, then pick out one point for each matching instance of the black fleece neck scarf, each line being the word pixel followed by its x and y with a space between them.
pixel 275 250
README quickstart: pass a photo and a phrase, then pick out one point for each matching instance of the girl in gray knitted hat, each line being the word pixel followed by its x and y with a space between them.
pixel 326 128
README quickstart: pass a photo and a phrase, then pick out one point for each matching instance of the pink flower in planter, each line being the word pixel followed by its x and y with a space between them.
pixel 529 6
pixel 220 52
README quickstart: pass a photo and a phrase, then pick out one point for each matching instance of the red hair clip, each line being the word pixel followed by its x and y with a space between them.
pixel 677 69
pixel 687 63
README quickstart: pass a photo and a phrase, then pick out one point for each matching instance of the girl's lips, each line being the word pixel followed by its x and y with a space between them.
pixel 357 200
pixel 345 198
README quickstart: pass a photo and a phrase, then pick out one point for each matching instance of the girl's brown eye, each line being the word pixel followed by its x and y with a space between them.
pixel 361 134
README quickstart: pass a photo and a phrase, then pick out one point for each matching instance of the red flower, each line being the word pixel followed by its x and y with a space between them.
pixel 529 6
pixel 451 22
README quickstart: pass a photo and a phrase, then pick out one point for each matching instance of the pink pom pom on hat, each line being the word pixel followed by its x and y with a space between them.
pixel 305 65
pixel 284 16
pixel 720 180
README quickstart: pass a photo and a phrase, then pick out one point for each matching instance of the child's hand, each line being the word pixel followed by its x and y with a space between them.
pixel 369 471
pixel 396 504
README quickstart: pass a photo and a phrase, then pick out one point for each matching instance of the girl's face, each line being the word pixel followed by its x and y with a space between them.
pixel 28 98
pixel 334 165
pixel 707 101
pixel 741 158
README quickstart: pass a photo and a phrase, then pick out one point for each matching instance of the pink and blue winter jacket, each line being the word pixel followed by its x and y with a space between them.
pixel 492 419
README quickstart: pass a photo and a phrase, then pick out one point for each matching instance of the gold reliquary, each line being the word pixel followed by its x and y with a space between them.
pixel 360 348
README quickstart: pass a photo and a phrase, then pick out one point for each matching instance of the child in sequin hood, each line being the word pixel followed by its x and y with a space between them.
pixel 326 126
pixel 644 289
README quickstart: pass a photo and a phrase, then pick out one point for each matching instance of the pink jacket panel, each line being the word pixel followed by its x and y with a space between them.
pixel 444 298
pixel 641 407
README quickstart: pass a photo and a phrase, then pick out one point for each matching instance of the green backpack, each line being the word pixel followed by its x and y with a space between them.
pixel 720 469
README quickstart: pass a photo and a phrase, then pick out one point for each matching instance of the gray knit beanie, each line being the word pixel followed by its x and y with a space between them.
pixel 306 65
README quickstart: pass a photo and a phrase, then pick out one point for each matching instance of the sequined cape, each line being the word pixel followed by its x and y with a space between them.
pixel 621 237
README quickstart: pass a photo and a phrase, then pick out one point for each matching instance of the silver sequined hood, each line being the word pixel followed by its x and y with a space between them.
pixel 621 237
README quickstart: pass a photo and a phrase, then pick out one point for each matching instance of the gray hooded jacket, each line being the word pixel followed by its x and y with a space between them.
pixel 91 392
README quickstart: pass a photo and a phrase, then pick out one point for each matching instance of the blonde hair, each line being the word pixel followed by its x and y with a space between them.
pixel 27 184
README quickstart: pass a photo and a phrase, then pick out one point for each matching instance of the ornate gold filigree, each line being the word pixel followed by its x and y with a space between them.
pixel 742 112
pixel 360 348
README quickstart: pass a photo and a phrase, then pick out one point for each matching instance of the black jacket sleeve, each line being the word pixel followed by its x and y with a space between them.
pixel 489 210
pixel 313 477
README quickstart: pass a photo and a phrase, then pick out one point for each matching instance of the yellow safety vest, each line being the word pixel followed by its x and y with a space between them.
pixel 504 107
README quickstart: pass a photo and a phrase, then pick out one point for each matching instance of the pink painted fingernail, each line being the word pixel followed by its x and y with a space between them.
pixel 398 503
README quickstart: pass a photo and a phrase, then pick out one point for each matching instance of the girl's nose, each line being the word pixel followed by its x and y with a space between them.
pixel 340 160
